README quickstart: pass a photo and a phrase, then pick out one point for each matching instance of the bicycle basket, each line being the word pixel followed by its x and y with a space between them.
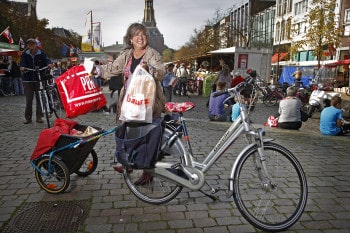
pixel 138 145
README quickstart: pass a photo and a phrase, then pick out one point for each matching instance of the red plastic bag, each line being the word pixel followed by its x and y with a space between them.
pixel 79 93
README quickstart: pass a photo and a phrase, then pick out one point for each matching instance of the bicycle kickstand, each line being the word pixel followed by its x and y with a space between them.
pixel 212 190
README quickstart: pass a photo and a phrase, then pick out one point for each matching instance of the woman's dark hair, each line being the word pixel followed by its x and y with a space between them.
pixel 131 32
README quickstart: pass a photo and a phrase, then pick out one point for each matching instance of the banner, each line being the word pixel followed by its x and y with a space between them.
pixel 79 93
pixel 86 43
pixel 96 36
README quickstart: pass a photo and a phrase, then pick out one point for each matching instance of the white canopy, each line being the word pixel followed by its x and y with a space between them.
pixel 224 50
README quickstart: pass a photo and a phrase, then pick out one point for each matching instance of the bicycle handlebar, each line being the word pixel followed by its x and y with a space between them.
pixel 36 69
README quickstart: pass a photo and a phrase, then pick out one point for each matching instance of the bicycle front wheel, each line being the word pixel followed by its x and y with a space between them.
pixel 276 201
pixel 148 186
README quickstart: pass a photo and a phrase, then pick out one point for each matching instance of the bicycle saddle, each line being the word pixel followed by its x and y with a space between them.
pixel 178 107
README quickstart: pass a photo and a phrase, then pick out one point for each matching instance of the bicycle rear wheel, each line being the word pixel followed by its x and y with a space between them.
pixel 151 188
pixel 270 100
pixel 270 204
pixel 53 176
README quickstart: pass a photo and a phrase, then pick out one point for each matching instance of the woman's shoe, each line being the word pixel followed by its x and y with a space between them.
pixel 146 178
pixel 120 169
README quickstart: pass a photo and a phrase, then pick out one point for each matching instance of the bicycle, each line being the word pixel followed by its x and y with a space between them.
pixel 50 101
pixel 274 94
pixel 266 182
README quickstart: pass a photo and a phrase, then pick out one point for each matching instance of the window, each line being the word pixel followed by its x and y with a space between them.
pixel 347 16
pixel 300 7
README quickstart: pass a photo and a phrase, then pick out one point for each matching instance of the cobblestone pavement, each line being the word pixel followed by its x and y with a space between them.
pixel 113 208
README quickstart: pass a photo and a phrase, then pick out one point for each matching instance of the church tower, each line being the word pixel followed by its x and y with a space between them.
pixel 156 39
pixel 148 19
pixel 32 8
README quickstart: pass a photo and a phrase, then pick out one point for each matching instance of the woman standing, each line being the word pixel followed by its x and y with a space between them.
pixel 139 52
pixel 224 76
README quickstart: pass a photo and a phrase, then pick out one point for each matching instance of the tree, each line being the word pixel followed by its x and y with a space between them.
pixel 30 27
pixel 168 55
pixel 322 31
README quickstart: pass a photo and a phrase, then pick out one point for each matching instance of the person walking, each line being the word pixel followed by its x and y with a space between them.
pixel 32 58
pixel 16 75
pixel 168 82
pixel 182 75
pixel 97 72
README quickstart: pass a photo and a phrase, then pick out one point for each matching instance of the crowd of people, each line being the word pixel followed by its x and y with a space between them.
pixel 170 79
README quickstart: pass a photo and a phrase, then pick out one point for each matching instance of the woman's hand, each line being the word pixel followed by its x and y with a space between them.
pixel 145 66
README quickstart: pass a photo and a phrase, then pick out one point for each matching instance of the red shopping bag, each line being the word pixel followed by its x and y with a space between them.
pixel 79 93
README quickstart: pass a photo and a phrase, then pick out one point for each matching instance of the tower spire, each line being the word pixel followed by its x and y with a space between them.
pixel 149 19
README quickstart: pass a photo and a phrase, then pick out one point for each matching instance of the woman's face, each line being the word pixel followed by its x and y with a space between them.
pixel 139 40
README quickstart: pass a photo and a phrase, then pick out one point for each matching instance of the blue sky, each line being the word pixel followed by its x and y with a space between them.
pixel 176 19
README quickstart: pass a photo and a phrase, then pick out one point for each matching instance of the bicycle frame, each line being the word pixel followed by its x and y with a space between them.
pixel 195 170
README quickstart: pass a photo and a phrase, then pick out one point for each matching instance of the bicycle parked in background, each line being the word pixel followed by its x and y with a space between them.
pixel 268 94
pixel 347 91
pixel 266 181
pixel 49 98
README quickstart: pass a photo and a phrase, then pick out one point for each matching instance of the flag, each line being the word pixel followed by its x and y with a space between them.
pixel 21 44
pixel 8 35
pixel 64 49
pixel 38 43
pixel 72 50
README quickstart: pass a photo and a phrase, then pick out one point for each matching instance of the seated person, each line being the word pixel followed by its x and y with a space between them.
pixel 218 110
pixel 331 120
pixel 236 110
pixel 290 111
